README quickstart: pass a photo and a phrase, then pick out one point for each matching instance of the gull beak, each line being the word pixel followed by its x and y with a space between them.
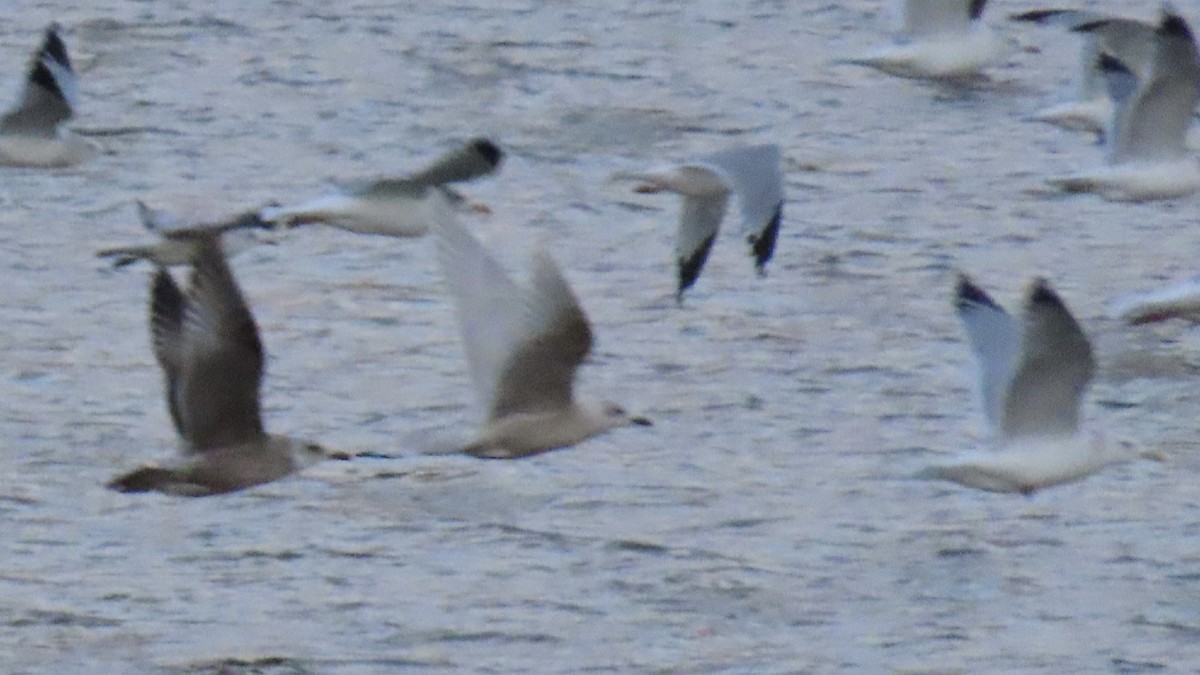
pixel 647 188
pixel 1156 455
pixel 641 421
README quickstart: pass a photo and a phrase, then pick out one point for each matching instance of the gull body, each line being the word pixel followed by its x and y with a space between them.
pixel 1033 376
pixel 752 174
pixel 31 132
pixel 523 349
pixel 1146 153
pixel 177 239
pixel 396 207
pixel 207 343
pixel 938 39
pixel 1130 41
pixel 1177 300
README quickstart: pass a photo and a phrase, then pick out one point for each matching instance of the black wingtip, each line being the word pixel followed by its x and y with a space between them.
pixel 689 268
pixel 762 245
pixel 1107 63
pixel 966 293
pixel 1089 26
pixel 53 45
pixel 1041 293
pixel 489 150
pixel 1036 15
pixel 1173 25
pixel 977 7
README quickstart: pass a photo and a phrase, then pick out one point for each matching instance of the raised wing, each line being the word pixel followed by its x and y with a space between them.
pixel 995 340
pixel 49 94
pixel 540 372
pixel 491 308
pixel 1053 370
pixel 931 18
pixel 211 353
pixel 756 178
pixel 1151 122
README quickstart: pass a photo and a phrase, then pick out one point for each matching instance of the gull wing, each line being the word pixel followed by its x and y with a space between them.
pixel 1053 370
pixel 699 222
pixel 995 340
pixel 931 18
pixel 211 354
pixel 1151 122
pixel 539 374
pixel 1130 41
pixel 49 93
pixel 477 158
pixel 167 304
pixel 491 309
pixel 756 178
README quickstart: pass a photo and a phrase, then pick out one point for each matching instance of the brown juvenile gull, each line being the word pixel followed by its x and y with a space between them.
pixel 208 346
pixel 1033 377
pixel 31 133
pixel 396 207
pixel 523 348
pixel 178 237
pixel 751 173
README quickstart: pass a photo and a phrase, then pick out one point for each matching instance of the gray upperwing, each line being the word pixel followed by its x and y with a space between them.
pixel 1053 370
pixel 1156 119
pixel 995 341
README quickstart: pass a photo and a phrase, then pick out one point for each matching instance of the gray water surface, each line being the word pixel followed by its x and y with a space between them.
pixel 766 524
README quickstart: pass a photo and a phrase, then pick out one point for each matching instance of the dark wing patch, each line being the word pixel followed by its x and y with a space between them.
pixel 967 294
pixel 977 8
pixel 689 267
pixel 167 305
pixel 762 245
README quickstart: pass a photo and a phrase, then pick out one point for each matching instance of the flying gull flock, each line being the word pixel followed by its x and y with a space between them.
pixel 1137 87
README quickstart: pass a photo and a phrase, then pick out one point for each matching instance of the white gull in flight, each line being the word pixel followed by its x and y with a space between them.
pixel 1033 377
pixel 1130 41
pixel 1147 157
pixel 396 207
pixel 938 39
pixel 208 346
pixel 1177 300
pixel 523 348
pixel 31 133
pixel 752 174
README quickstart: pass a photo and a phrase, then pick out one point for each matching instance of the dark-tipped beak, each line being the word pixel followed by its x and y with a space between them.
pixel 641 421
pixel 340 455
pixel 647 188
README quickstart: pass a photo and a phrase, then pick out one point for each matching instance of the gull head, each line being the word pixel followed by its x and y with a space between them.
pixel 609 415
pixel 305 454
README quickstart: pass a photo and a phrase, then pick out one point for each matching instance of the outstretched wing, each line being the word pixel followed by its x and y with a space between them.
pixel 995 340
pixel 49 94
pixel 1053 369
pixel 218 355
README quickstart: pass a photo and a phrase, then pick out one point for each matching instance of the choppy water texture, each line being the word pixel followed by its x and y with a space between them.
pixel 766 524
